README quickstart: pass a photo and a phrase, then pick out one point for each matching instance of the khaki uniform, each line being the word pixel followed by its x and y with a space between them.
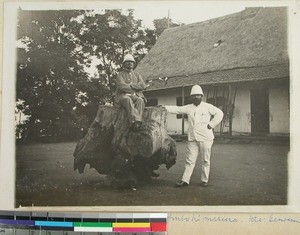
pixel 133 101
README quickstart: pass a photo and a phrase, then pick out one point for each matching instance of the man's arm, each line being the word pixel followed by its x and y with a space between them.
pixel 121 85
pixel 218 116
pixel 177 109
pixel 140 84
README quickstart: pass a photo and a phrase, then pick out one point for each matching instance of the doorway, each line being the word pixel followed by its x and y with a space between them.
pixel 260 123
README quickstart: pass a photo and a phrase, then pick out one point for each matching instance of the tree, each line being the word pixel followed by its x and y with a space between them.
pixel 50 70
pixel 108 37
pixel 55 90
pixel 162 24
pixel 126 156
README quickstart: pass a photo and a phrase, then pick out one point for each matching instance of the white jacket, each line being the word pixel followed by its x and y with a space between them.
pixel 198 118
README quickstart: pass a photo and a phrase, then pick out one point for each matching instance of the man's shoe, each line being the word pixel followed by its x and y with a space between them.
pixel 204 184
pixel 181 184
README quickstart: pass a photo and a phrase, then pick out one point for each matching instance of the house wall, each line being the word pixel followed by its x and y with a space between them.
pixel 241 122
pixel 278 101
pixel 279 109
pixel 168 97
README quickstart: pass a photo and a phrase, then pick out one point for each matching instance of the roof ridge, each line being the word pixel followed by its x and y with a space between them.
pixel 250 38
pixel 221 18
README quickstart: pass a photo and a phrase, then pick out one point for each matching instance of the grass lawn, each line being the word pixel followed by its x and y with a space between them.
pixel 241 174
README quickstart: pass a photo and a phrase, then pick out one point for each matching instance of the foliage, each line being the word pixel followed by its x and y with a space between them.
pixel 57 94
pixel 49 71
pixel 108 37
pixel 162 24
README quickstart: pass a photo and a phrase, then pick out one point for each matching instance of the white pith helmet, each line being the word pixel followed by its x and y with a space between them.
pixel 196 90
pixel 128 57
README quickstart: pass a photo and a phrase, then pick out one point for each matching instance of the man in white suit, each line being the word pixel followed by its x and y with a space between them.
pixel 202 118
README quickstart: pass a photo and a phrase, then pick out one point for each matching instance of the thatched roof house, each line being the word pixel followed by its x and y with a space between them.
pixel 240 60
pixel 219 50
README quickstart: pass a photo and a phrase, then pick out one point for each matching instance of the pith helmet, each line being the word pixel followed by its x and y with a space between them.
pixel 128 57
pixel 196 90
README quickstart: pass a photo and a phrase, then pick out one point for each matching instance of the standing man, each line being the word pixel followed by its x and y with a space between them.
pixel 129 92
pixel 202 118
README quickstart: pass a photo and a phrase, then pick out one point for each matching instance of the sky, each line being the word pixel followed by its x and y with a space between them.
pixel 179 11
pixel 185 12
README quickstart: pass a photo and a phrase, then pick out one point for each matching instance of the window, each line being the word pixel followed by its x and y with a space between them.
pixel 218 102
pixel 152 102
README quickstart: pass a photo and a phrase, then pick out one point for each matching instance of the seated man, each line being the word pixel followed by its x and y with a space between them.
pixel 129 92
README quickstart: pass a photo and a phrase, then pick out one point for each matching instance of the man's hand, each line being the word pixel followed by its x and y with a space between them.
pixel 209 127
pixel 135 87
pixel 160 106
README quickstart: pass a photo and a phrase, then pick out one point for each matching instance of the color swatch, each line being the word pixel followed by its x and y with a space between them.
pixel 85 222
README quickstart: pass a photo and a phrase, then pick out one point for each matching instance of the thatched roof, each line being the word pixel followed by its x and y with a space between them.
pixel 224 77
pixel 255 37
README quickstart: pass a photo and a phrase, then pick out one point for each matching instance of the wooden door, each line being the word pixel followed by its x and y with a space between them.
pixel 260 111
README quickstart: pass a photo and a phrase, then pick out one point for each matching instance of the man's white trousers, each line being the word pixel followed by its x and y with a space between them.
pixel 193 150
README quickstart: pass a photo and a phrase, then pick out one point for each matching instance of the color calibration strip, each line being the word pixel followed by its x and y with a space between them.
pixel 85 222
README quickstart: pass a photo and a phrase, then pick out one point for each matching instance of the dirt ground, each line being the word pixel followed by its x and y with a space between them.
pixel 241 174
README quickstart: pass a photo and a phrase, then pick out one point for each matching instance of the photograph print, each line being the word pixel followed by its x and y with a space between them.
pixel 172 105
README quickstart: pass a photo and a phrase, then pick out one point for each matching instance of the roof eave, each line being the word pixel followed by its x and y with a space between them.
pixel 217 83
